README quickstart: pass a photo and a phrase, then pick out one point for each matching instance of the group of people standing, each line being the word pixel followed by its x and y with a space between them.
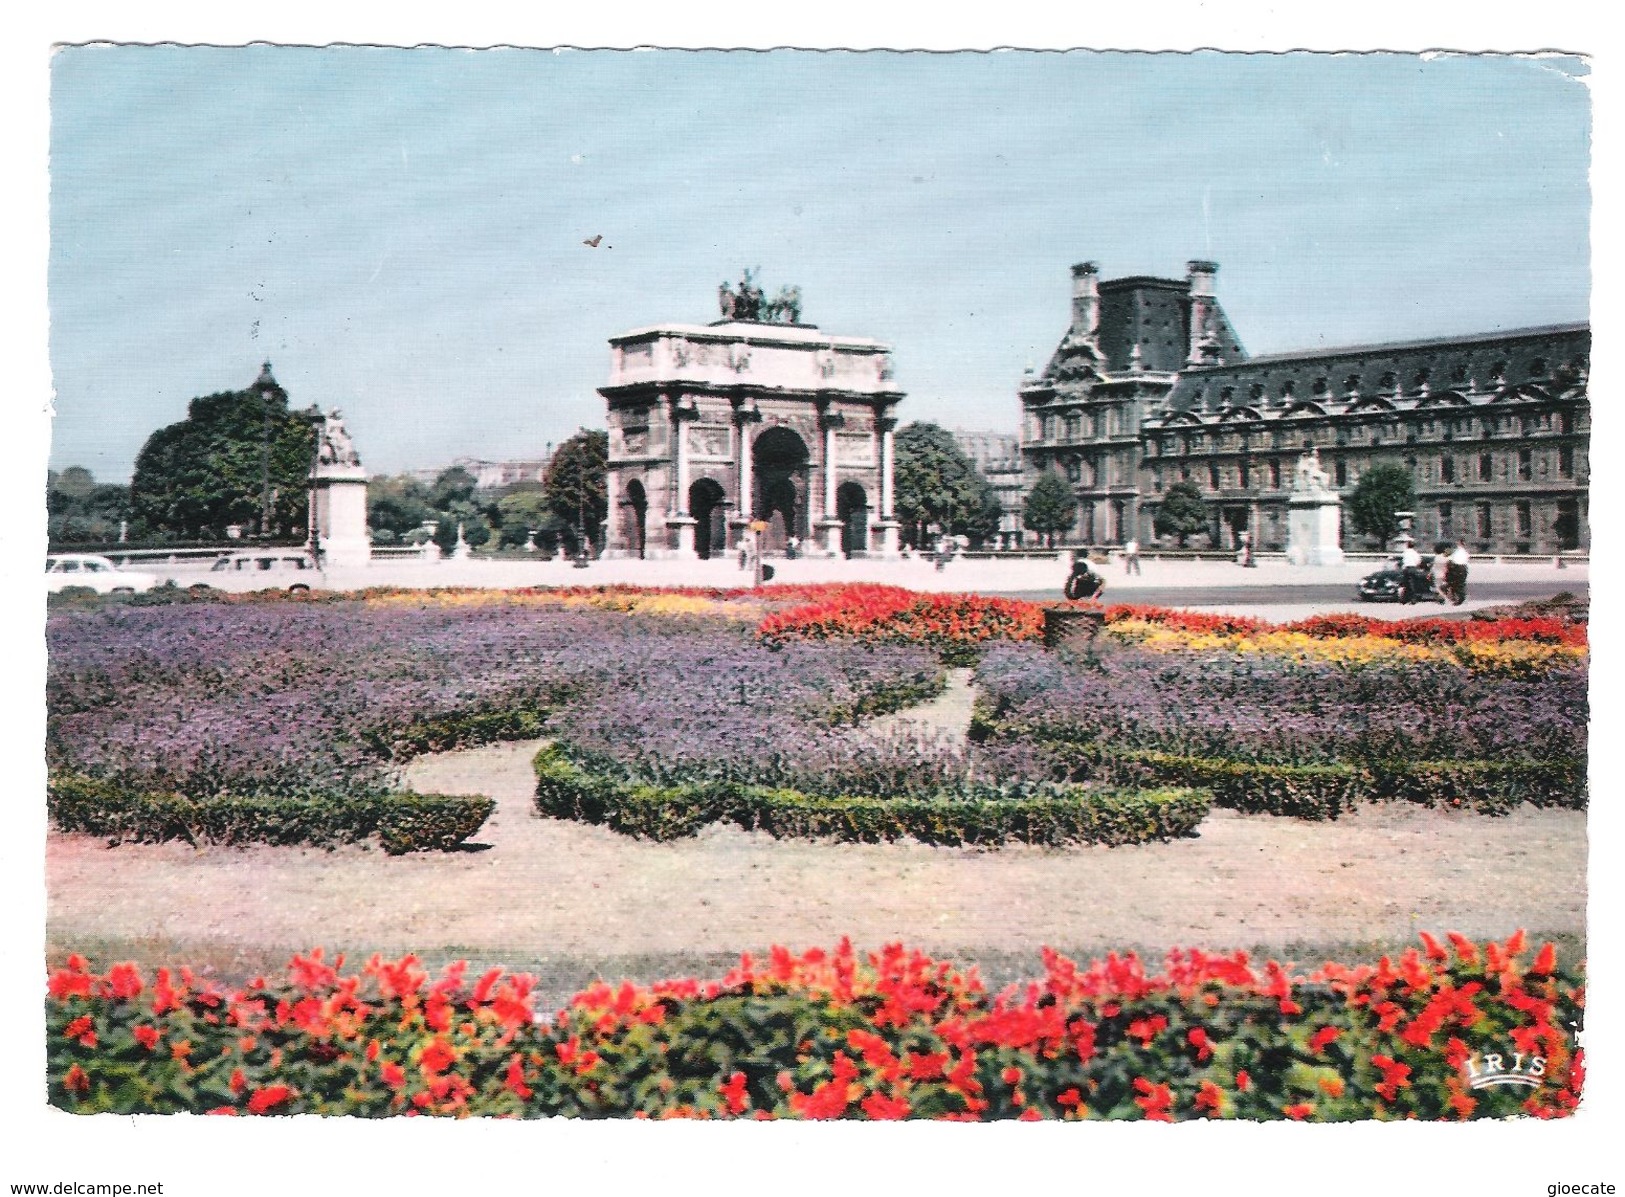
pixel 1445 575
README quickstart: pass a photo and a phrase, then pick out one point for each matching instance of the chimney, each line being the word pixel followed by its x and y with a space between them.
pixel 1204 345
pixel 1086 301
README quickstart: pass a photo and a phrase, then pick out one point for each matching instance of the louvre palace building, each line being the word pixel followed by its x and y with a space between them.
pixel 1151 386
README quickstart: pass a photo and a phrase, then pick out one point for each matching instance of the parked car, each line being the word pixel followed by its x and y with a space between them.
pixel 1388 586
pixel 63 570
pixel 293 570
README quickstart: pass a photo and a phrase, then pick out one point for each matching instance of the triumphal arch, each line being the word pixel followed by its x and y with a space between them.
pixel 755 424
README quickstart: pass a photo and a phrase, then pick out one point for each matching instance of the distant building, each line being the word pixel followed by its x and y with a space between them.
pixel 492 475
pixel 997 456
pixel 1151 386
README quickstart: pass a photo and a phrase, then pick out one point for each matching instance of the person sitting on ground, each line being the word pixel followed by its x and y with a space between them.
pixel 1083 582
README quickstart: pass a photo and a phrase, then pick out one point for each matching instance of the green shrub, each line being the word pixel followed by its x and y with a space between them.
pixel 462 730
pixel 1075 816
pixel 1326 791
pixel 403 822
pixel 1490 787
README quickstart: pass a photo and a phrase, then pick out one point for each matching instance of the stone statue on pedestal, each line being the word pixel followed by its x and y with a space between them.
pixel 334 446
pixel 1311 479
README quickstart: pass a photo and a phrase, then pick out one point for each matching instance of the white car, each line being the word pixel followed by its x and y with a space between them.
pixel 63 570
pixel 293 570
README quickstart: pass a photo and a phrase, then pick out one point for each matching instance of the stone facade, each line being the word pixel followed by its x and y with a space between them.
pixel 997 456
pixel 715 427
pixel 1495 429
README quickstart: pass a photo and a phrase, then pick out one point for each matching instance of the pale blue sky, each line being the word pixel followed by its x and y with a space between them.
pixel 400 231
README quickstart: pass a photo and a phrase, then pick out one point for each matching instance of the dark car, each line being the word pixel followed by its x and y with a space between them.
pixel 1388 586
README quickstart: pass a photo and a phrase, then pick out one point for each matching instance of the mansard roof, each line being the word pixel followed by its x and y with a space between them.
pixel 1140 312
pixel 1530 363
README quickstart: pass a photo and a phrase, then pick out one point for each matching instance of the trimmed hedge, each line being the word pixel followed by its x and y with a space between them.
pixel 403 822
pixel 566 791
pixel 450 732
pixel 1326 791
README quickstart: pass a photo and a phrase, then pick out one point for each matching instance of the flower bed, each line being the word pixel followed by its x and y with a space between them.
pixel 961 625
pixel 955 624
pixel 297 708
pixel 835 1035
pixel 1058 816
pixel 1271 735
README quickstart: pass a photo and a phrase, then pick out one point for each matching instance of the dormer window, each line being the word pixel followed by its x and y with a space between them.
pixel 1537 368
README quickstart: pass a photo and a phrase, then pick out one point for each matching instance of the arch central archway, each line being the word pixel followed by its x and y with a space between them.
pixel 782 468
pixel 706 501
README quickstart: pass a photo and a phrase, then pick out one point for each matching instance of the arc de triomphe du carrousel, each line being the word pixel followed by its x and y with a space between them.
pixel 754 424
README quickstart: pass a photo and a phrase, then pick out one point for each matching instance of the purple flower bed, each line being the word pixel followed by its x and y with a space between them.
pixel 291 699
pixel 1265 709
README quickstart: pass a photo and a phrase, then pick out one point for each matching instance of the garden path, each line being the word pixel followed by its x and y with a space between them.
pixel 945 718
pixel 547 890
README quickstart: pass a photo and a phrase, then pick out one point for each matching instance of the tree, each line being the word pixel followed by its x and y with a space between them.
pixel 1381 491
pixel 574 485
pixel 1050 506
pixel 521 512
pixel 454 484
pixel 398 505
pixel 81 511
pixel 1181 513
pixel 239 457
pixel 935 483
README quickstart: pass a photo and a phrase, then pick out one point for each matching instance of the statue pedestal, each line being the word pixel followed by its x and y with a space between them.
pixel 338 508
pixel 1314 527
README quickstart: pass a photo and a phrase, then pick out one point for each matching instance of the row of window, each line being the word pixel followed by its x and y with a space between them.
pixel 1521 468
pixel 1420 382
pixel 1390 429
pixel 1106 422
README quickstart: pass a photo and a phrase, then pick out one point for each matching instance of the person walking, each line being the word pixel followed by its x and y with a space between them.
pixel 1131 558
pixel 1439 568
pixel 1455 574
pixel 1410 567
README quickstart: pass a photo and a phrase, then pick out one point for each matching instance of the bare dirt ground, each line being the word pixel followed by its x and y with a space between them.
pixel 543 890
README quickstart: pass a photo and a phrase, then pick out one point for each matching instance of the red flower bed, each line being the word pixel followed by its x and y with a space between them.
pixel 1480 1031
pixel 890 614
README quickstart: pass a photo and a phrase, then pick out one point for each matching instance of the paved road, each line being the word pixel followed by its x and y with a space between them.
pixel 1299 594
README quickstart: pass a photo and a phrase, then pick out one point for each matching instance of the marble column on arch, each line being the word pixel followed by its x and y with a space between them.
pixel 886 427
pixel 829 420
pixel 683 409
pixel 745 414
